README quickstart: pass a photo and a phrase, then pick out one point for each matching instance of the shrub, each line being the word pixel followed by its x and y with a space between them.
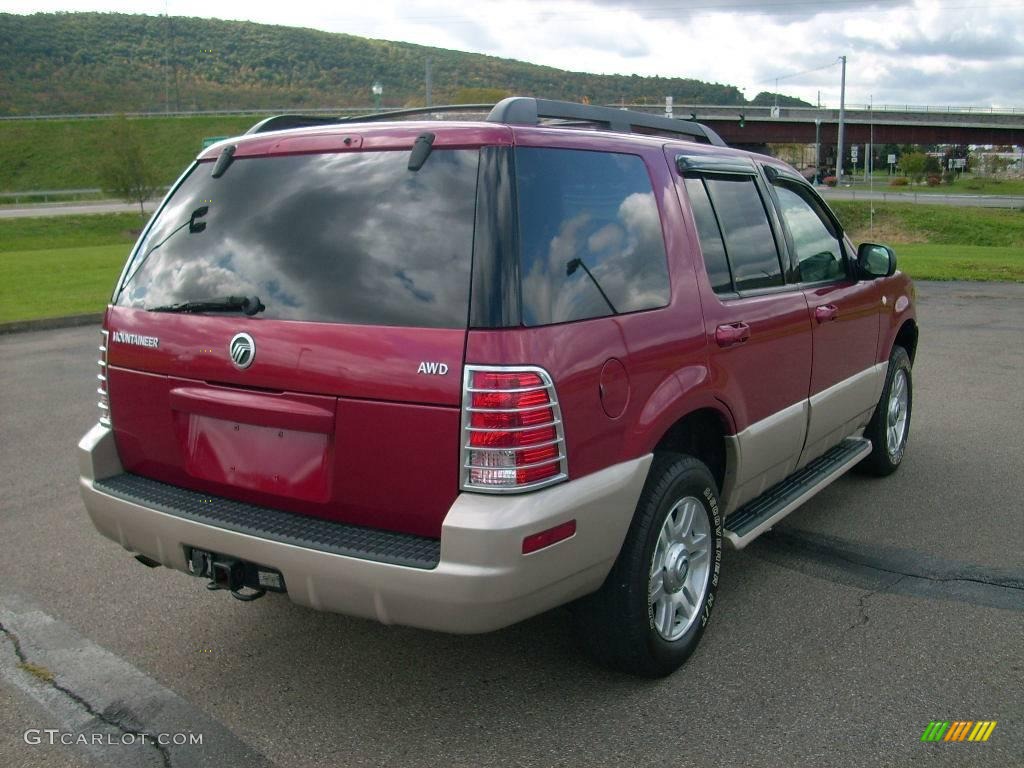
pixel 914 165
pixel 934 181
pixel 948 177
pixel 899 181
pixel 830 181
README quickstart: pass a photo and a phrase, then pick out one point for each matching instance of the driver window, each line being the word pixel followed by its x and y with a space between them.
pixel 817 248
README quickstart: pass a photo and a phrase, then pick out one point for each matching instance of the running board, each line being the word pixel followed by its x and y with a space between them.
pixel 759 514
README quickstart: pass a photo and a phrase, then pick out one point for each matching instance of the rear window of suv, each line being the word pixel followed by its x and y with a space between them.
pixel 347 238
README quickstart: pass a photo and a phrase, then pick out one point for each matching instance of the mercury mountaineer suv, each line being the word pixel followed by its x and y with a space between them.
pixel 453 374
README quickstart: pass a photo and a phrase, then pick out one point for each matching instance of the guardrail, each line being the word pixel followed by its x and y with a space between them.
pixel 48 193
pixel 206 112
pixel 63 194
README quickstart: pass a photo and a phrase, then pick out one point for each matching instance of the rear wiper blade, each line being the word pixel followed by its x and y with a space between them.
pixel 249 305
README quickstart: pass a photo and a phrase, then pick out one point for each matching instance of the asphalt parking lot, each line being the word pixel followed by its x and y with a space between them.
pixel 880 606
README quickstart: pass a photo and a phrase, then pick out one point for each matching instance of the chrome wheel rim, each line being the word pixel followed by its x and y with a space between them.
pixel 680 569
pixel 896 416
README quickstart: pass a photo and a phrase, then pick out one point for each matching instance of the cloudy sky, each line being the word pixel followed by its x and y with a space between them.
pixel 935 52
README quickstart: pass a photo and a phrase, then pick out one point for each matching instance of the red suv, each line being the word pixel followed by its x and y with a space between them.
pixel 453 374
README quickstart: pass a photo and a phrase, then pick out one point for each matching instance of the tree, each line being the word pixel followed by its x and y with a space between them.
pixel 914 165
pixel 125 170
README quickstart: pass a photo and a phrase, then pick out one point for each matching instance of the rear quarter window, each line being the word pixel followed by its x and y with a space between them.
pixel 591 243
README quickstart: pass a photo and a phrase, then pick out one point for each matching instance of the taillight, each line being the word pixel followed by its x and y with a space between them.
pixel 512 437
pixel 102 389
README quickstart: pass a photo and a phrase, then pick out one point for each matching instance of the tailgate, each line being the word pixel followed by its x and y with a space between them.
pixel 340 425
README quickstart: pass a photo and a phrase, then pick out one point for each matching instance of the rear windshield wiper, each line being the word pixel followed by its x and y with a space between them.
pixel 193 225
pixel 249 305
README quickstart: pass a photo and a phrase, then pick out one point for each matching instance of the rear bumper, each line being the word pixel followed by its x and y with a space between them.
pixel 482 582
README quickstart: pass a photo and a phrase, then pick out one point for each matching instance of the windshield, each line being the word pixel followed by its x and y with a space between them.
pixel 348 238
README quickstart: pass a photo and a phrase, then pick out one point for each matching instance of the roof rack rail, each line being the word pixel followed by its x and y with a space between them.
pixel 284 122
pixel 521 110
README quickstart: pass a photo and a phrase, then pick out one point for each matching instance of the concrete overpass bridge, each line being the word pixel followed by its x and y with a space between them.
pixel 889 125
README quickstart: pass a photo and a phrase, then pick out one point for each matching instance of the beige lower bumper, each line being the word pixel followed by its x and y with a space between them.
pixel 483 581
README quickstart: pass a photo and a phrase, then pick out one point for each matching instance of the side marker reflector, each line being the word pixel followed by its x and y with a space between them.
pixel 536 541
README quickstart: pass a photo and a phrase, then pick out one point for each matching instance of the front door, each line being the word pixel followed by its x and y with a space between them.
pixel 844 315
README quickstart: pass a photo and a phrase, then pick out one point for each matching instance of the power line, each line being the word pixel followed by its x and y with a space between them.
pixel 798 74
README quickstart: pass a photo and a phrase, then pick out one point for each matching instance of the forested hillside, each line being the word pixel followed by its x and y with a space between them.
pixel 108 62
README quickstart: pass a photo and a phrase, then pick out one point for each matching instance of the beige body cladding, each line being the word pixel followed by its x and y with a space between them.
pixel 483 581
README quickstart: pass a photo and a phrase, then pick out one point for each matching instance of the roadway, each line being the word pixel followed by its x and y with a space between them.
pixel 961 201
pixel 878 607
pixel 72 209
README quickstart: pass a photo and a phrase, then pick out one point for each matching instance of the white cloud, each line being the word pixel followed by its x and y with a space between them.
pixel 900 51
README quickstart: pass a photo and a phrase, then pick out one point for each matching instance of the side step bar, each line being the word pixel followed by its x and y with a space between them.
pixel 758 515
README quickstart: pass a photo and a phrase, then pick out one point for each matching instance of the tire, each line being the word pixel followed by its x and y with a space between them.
pixel 889 428
pixel 677 526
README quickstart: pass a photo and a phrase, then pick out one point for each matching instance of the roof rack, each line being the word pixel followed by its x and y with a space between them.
pixel 523 110
pixel 284 122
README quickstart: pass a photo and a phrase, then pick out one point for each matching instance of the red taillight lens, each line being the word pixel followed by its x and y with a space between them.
pixel 512 430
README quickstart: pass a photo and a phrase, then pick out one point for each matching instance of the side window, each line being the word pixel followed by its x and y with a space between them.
pixel 749 241
pixel 590 236
pixel 710 236
pixel 817 247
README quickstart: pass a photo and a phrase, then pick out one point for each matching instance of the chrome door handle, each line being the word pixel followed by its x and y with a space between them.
pixel 733 333
pixel 826 313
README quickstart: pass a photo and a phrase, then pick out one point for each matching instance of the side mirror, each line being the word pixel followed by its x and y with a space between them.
pixel 875 260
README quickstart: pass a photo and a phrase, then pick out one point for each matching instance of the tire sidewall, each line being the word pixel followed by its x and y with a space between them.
pixel 698 483
pixel 899 361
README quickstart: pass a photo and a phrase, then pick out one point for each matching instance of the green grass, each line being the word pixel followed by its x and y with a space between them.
pixel 961 262
pixel 26 234
pixel 52 282
pixel 942 224
pixel 975 186
pixel 942 242
pixel 967 185
pixel 62 154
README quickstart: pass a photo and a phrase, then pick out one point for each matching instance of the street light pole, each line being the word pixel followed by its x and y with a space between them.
pixel 817 150
pixel 842 118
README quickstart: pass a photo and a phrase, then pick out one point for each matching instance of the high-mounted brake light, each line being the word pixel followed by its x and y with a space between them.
pixel 512 437
pixel 102 390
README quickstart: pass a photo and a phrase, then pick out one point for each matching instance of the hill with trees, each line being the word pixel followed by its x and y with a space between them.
pixel 74 63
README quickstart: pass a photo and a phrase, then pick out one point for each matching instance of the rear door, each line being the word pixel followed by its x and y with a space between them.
pixel 341 398
pixel 759 335
pixel 844 313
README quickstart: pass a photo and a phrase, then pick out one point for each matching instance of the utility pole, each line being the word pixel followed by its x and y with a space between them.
pixel 167 74
pixel 430 99
pixel 842 118
pixel 871 162
pixel 817 150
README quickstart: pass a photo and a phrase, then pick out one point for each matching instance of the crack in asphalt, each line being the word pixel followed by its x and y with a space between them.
pixel 862 609
pixel 147 738
pixel 868 567
pixel 908 575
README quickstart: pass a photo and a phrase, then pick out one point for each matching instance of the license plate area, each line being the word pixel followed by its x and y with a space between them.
pixel 284 462
pixel 233 573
